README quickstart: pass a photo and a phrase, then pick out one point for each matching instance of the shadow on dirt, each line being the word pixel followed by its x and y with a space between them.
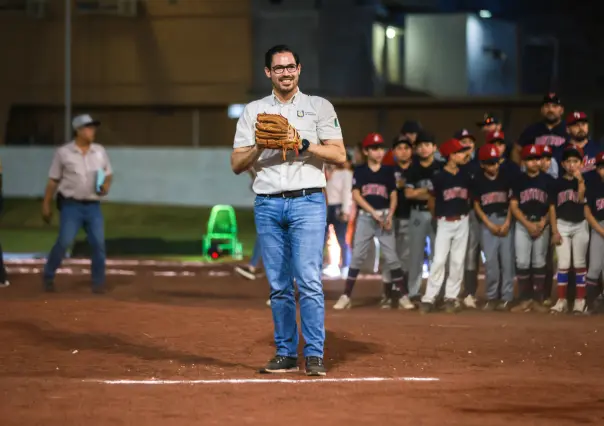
pixel 557 413
pixel 106 343
pixel 339 349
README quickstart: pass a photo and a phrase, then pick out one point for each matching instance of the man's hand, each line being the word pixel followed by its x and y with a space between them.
pixel 104 189
pixel 344 217
pixel 46 212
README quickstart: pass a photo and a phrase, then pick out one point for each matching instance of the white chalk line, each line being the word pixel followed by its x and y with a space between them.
pixel 119 262
pixel 259 381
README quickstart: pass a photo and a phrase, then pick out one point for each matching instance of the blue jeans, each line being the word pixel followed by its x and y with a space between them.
pixel 256 254
pixel 340 228
pixel 75 215
pixel 292 235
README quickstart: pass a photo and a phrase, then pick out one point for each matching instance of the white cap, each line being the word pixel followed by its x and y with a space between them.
pixel 84 120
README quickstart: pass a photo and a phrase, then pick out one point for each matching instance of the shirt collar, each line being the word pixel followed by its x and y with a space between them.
pixel 75 148
pixel 294 100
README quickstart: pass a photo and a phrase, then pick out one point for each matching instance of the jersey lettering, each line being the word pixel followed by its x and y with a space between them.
pixel 374 189
pixel 533 194
pixel 493 197
pixel 588 164
pixel 568 195
pixel 551 140
pixel 600 204
pixel 456 192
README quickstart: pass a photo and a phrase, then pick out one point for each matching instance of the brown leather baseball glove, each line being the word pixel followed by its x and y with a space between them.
pixel 273 131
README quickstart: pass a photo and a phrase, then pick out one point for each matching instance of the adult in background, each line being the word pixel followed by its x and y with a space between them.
pixel 489 123
pixel 551 130
pixel 577 126
pixel 290 207
pixel 74 173
pixel 3 276
pixel 339 206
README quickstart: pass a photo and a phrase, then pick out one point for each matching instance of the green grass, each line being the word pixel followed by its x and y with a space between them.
pixel 23 231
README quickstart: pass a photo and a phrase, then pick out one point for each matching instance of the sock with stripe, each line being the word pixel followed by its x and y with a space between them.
pixel 562 283
pixel 398 284
pixel 350 281
pixel 580 282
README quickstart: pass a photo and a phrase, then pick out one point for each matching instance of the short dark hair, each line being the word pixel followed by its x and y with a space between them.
pixel 280 48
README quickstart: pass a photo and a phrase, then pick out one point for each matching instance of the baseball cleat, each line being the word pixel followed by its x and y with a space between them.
pixel 523 306
pixel 560 307
pixel 470 302
pixel 315 366
pixel 491 305
pixel 4 284
pixel 280 364
pixel 579 307
pixel 426 308
pixel 504 306
pixel 547 303
pixel 385 303
pixel 405 303
pixel 344 302
pixel 452 306
pixel 246 271
pixel 539 307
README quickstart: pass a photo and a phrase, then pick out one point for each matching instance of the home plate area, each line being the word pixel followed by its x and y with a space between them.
pixel 165 347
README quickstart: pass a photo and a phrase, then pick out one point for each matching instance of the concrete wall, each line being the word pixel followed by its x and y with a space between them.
pixel 488 74
pixel 435 54
pixel 195 177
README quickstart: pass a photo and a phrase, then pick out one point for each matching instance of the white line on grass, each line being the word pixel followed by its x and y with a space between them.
pixel 259 381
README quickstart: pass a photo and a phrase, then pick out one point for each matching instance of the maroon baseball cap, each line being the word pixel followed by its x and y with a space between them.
pixel 495 136
pixel 462 134
pixel 488 153
pixel 452 146
pixel 373 139
pixel 546 151
pixel 530 152
pixel 576 117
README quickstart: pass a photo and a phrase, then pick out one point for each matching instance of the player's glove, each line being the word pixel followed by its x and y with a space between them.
pixel 273 131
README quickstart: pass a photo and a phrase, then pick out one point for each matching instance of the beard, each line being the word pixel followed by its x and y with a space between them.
pixel 579 136
pixel 551 119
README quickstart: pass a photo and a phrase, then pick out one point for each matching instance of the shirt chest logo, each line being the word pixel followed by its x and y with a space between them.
pixel 300 113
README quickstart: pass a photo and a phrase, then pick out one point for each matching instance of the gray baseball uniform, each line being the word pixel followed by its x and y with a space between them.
pixel 421 223
pixel 366 229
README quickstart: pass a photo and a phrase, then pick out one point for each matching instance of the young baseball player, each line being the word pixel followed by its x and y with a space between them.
pixel 450 204
pixel 507 166
pixel 374 192
pixel 530 206
pixel 594 213
pixel 491 195
pixel 403 152
pixel 472 167
pixel 549 166
pixel 419 182
pixel 570 232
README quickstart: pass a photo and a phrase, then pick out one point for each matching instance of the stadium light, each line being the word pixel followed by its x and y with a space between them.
pixel 485 14
pixel 390 32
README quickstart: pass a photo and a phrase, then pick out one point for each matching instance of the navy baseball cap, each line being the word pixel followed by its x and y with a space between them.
pixel 487 119
pixel 572 151
pixel 462 134
pixel 401 139
pixel 424 136
pixel 551 98
pixel 411 126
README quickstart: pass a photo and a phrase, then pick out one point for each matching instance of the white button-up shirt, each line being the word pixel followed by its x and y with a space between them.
pixel 314 118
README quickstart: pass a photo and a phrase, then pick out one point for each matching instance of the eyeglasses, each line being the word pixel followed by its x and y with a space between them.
pixel 291 68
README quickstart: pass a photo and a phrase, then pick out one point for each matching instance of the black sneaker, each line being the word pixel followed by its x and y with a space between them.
pixel 452 306
pixel 315 367
pixel 491 305
pixel 280 364
pixel 426 308
pixel 49 286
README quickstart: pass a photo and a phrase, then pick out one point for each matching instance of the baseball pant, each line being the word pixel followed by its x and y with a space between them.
pixel 498 251
pixel 596 263
pixel 292 234
pixel 421 227
pixel 366 229
pixel 401 230
pixel 575 240
pixel 529 250
pixel 474 237
pixel 451 241
pixel 74 216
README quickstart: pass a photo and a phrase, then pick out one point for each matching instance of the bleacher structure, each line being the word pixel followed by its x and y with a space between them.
pixel 39 9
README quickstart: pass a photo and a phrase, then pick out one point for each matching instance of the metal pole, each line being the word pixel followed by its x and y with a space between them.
pixel 67 82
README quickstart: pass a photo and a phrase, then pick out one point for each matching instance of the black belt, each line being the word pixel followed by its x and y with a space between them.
pixel 293 194
pixel 73 200
pixel 420 209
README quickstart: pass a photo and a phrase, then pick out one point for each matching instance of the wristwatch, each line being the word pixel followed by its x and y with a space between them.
pixel 305 145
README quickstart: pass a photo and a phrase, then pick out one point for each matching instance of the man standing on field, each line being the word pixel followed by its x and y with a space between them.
pixel 290 208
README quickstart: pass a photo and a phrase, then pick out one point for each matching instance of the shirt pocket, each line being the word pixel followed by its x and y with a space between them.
pixel 307 127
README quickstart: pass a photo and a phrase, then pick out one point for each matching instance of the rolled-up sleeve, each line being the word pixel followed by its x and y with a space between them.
pixel 56 167
pixel 328 126
pixel 244 135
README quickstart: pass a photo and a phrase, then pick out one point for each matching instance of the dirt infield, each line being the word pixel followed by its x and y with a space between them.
pixel 190 339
